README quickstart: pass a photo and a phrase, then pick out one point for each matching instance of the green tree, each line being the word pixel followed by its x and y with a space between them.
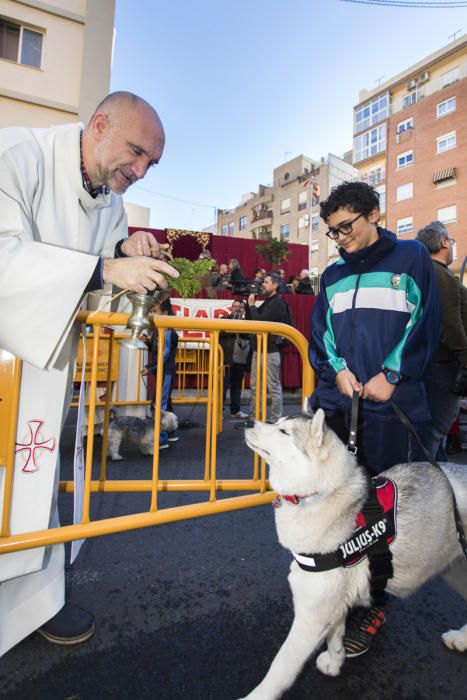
pixel 276 250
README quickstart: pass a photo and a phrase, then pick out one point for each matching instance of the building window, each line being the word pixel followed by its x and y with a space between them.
pixel 19 44
pixel 381 190
pixel 370 143
pixel 446 142
pixel 405 225
pixel 315 224
pixel 302 197
pixel 404 191
pixel 285 231
pixel 371 113
pixel 242 223
pixel 224 230
pixel 303 221
pixel 447 215
pixel 405 159
pixel 404 125
pixel 451 76
pixel 231 228
pixel 314 245
pixel 446 107
pixel 412 98
pixel 285 204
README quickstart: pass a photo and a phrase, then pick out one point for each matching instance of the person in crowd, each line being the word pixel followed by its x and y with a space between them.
pixel 63 233
pixel 237 279
pixel 170 352
pixel 258 279
pixel 293 283
pixel 224 277
pixel 283 288
pixel 273 308
pixel 304 286
pixel 236 349
pixel 374 331
pixel 446 380
pixel 210 280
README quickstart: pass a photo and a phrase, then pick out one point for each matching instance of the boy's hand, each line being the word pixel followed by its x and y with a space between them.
pixel 347 383
pixel 378 389
pixel 144 372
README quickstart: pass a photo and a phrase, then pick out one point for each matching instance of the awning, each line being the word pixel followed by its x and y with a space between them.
pixel 444 174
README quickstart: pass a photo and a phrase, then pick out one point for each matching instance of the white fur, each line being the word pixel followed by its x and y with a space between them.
pixel 308 459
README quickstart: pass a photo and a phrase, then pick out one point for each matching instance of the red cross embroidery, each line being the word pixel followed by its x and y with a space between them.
pixel 34 444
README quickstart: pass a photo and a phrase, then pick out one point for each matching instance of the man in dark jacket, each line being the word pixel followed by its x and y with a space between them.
pixel 448 373
pixel 305 286
pixel 236 349
pixel 273 308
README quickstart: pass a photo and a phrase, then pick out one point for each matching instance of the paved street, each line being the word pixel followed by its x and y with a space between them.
pixel 197 609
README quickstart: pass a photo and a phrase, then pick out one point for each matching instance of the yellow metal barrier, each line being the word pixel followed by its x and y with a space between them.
pixel 209 483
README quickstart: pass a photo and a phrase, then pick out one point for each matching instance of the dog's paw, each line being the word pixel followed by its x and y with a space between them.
pixel 328 665
pixel 456 639
pixel 116 458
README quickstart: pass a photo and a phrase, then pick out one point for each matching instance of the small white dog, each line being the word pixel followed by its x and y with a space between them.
pixel 137 431
pixel 308 460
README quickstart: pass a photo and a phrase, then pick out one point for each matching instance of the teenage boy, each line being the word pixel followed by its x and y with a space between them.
pixel 375 329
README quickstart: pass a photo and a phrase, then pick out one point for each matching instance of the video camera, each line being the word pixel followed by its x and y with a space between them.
pixel 244 290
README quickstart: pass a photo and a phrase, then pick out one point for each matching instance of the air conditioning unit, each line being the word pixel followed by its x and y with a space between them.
pixel 411 85
pixel 424 77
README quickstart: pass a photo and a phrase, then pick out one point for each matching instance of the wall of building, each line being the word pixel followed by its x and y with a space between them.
pixel 75 61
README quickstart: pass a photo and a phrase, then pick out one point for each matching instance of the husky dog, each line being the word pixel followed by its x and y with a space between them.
pixel 138 431
pixel 307 459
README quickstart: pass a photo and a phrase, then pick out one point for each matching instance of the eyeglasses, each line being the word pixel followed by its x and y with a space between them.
pixel 343 229
pixel 452 240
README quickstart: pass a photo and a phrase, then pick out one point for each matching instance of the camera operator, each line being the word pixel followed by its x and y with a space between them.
pixel 446 381
pixel 273 308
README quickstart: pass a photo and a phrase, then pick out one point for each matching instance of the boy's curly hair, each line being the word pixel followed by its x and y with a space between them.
pixel 356 196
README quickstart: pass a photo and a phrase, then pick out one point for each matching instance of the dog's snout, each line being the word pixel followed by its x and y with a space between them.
pixel 249 423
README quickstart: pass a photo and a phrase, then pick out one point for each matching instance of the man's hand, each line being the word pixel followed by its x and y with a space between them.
pixel 144 372
pixel 139 274
pixel 144 243
pixel 347 383
pixel 251 300
pixel 378 389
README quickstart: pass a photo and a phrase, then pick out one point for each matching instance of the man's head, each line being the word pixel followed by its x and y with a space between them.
pixel 238 309
pixel 259 274
pixel 304 274
pixel 352 211
pixel 281 273
pixel 123 139
pixel 436 238
pixel 223 269
pixel 271 284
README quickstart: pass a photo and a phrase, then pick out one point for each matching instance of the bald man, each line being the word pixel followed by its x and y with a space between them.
pixel 63 232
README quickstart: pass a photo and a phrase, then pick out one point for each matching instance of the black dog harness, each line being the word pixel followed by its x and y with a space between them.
pixel 375 530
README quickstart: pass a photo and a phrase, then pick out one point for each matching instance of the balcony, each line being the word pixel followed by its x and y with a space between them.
pixel 263 215
pixel 374 179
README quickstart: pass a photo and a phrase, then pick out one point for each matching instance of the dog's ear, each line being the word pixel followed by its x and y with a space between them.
pixel 318 428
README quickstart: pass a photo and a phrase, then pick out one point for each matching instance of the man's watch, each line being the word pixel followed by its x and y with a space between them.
pixel 392 376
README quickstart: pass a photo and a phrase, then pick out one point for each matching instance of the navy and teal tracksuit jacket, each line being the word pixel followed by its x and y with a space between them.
pixel 377 307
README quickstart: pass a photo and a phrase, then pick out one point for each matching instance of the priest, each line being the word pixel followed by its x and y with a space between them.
pixel 63 233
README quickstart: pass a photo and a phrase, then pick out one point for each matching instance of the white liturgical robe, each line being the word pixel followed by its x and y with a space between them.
pixel 52 233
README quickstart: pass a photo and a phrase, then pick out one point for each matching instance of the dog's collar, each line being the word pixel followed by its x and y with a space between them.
pixel 294 500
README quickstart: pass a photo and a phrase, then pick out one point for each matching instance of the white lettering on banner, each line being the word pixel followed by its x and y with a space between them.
pixel 200 308
pixel 79 457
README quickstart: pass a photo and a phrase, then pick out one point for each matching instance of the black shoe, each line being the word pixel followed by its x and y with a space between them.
pixel 71 625
pixel 363 624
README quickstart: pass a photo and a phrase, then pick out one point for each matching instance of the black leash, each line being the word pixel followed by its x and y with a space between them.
pixel 408 425
pixel 352 441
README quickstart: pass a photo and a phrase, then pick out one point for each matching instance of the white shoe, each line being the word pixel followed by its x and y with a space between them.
pixel 238 415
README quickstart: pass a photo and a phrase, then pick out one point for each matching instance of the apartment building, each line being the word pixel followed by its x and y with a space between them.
pixel 55 59
pixel 410 142
pixel 289 208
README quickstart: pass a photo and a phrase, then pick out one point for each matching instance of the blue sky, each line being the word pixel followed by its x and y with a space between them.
pixel 242 86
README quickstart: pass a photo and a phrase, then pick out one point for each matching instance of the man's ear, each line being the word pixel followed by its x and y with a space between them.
pixel 374 215
pixel 99 125
pixel 318 428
